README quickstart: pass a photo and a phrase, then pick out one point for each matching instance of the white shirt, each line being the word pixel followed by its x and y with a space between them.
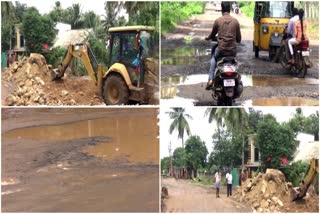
pixel 218 177
pixel 229 178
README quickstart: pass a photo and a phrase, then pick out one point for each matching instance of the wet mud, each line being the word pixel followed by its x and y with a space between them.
pixel 104 164
pixel 186 53
pixel 190 90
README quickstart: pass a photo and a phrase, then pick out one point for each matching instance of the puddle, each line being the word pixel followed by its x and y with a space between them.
pixel 9 181
pixel 11 191
pixel 130 137
pixel 282 101
pixel 182 55
pixel 169 84
pixel 264 81
pixel 178 102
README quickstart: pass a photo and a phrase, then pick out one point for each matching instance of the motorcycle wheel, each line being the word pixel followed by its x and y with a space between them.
pixel 301 67
pixel 283 59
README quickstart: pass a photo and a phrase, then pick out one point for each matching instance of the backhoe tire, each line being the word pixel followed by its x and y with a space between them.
pixel 115 91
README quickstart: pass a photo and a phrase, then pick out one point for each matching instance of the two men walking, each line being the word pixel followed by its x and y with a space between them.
pixel 218 183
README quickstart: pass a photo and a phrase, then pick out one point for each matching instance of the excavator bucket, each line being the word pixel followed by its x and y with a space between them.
pixel 55 74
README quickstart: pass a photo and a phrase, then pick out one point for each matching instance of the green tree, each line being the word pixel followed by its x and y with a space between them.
pixel 165 163
pixel 58 14
pixel 254 118
pixel 235 119
pixel 179 157
pixel 91 20
pixel 112 12
pixel 74 17
pixel 275 141
pixel 37 30
pixel 311 125
pixel 196 153
pixel 179 122
pixel 7 21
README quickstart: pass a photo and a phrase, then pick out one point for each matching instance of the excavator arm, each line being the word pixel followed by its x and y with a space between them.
pixel 83 52
pixel 312 171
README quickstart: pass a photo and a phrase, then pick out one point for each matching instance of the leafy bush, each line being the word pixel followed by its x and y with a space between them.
pixel 99 50
pixel 296 172
pixel 55 56
pixel 247 8
pixel 172 13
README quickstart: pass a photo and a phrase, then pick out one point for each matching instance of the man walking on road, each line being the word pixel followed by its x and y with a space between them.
pixel 218 182
pixel 229 183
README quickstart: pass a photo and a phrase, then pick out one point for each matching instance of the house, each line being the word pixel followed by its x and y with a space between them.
pixel 307 148
pixel 20 42
pixel 253 162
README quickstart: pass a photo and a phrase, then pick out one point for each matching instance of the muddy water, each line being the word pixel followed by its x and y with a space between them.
pixel 170 85
pixel 282 101
pixel 130 137
pixel 182 55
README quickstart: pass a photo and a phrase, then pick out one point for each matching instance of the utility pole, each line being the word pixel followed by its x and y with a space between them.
pixel 169 148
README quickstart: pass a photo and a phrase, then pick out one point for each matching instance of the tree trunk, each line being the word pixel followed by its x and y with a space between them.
pixel 242 152
pixel 182 142
pixel 316 136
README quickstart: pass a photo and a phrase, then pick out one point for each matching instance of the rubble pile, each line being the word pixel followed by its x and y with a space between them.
pixel 32 85
pixel 29 76
pixel 265 193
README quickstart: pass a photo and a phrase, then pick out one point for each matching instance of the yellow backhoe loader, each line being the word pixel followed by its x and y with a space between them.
pixel 301 191
pixel 133 73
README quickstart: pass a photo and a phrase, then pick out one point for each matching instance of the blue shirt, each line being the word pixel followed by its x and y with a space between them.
pixel 291 25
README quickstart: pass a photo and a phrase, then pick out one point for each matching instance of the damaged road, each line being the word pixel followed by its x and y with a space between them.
pixel 185 55
pixel 63 162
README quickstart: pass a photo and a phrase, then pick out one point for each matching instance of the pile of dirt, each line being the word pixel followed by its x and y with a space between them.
pixel 265 193
pixel 30 81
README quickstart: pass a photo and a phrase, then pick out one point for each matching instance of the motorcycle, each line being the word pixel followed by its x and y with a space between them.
pixel 301 57
pixel 227 84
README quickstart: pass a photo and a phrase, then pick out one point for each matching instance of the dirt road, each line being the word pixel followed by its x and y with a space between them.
pixel 185 64
pixel 80 160
pixel 187 197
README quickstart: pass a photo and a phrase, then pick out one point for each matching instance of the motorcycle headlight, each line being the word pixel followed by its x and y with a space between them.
pixel 265 29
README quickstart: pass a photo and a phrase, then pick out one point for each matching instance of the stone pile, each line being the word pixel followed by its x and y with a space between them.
pixel 265 193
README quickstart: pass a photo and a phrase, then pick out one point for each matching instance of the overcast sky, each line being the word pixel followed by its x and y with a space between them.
pixel 86 5
pixel 201 127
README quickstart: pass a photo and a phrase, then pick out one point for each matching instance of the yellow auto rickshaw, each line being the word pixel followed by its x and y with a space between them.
pixel 270 19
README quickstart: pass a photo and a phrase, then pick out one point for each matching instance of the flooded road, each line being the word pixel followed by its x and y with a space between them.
pixel 186 60
pixel 189 90
pixel 101 164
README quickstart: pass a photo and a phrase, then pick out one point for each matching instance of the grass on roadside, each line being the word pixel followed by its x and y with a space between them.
pixel 173 13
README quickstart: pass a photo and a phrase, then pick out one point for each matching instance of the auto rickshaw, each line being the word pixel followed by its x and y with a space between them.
pixel 270 19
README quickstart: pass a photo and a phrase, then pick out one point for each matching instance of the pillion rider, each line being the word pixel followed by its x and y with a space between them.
pixel 228 30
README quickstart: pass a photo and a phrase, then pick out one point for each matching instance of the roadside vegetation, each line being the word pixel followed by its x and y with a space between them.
pixel 173 13
pixel 230 143
pixel 39 29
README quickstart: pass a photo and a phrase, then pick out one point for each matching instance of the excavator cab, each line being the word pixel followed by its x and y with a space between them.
pixel 131 52
pixel 130 46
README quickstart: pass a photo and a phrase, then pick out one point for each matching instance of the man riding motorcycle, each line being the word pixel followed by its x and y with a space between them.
pixel 228 30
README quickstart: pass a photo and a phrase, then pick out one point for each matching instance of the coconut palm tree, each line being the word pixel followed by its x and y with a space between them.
pixel 7 18
pixel 235 119
pixel 179 122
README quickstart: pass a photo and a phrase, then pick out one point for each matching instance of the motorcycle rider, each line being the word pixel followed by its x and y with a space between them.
pixel 290 29
pixel 228 30
pixel 299 34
